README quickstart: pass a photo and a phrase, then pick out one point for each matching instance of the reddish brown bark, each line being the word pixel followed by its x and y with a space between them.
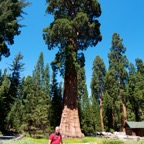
pixel 124 114
pixel 70 124
pixel 101 115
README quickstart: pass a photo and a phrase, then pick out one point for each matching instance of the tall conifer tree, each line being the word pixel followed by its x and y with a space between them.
pixel 139 90
pixel 131 109
pixel 13 95
pixel 97 85
pixel 41 78
pixel 75 27
pixel 37 99
pixel 117 78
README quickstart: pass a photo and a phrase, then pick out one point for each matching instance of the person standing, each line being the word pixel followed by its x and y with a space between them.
pixel 55 137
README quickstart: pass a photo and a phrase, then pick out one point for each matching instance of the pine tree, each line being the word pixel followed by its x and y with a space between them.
pixel 75 27
pixel 10 12
pixel 107 111
pixel 83 99
pixel 96 119
pixel 139 91
pixel 29 103
pixel 47 80
pixel 14 90
pixel 37 100
pixel 140 66
pixel 97 85
pixel 38 72
pixel 116 80
pixel 87 116
pixel 41 93
pixel 4 89
pixel 130 98
pixel 136 93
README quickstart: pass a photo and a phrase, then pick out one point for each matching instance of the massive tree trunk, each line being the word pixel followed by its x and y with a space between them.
pixel 70 124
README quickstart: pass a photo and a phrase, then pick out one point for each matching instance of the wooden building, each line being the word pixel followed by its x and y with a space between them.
pixel 135 128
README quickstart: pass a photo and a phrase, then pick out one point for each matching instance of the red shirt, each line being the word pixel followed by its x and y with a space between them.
pixel 55 138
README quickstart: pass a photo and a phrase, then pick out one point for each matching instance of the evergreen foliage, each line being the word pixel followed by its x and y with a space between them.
pixel 10 14
pixel 97 88
pixel 139 91
pixel 97 83
pixel 4 89
pixel 116 80
pixel 56 102
pixel 85 111
pixel 87 118
pixel 75 27
pixel 131 89
pixel 37 100
pixel 13 98
pixel 107 107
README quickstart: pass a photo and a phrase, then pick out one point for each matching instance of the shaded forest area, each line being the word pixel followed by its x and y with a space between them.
pixel 34 104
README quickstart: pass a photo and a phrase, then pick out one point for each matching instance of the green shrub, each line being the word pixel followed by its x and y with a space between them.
pixel 111 130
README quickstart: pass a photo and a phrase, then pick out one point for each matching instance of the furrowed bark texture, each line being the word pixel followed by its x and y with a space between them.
pixel 70 124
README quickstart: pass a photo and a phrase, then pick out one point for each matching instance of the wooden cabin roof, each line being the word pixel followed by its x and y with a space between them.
pixel 132 124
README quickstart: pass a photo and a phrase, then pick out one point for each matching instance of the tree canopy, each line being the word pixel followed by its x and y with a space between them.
pixel 10 13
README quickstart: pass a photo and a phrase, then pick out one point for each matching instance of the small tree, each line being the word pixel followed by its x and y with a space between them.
pixel 37 100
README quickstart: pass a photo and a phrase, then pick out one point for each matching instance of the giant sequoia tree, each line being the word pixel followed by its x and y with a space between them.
pixel 75 27
pixel 10 11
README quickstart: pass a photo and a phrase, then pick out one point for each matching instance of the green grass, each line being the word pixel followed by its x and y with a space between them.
pixel 92 140
pixel 26 140
pixel 83 140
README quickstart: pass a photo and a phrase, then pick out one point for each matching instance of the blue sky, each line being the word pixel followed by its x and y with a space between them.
pixel 125 17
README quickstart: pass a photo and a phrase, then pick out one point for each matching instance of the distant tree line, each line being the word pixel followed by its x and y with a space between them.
pixel 119 91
